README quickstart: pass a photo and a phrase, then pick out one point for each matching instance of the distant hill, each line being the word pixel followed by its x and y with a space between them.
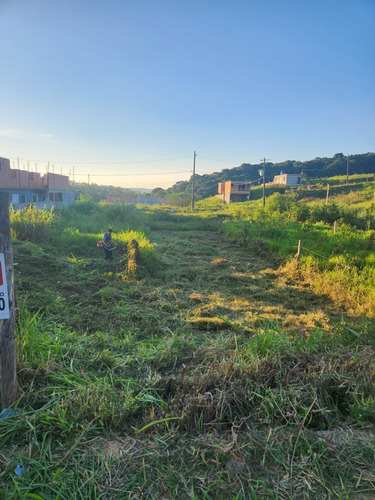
pixel 206 185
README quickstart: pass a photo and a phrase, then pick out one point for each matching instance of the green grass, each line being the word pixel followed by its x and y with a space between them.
pixel 339 265
pixel 211 375
pixel 31 224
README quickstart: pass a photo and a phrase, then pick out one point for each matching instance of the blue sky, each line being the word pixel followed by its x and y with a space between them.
pixel 126 91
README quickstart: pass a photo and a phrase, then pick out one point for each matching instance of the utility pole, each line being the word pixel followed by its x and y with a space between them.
pixel 8 382
pixel 193 183
pixel 264 179
pixel 347 170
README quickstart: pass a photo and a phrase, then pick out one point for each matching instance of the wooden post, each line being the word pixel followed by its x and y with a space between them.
pixel 335 227
pixel 327 195
pixel 298 254
pixel 8 383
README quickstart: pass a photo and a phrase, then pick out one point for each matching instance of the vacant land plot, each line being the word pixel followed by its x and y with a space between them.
pixel 209 375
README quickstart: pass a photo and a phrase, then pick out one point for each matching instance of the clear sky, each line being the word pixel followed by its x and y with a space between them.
pixel 127 90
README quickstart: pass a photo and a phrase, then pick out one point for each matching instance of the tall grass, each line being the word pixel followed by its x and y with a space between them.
pixel 339 265
pixel 92 217
pixel 31 223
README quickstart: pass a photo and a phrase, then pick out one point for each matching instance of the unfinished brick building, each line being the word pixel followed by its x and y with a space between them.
pixel 231 192
pixel 26 187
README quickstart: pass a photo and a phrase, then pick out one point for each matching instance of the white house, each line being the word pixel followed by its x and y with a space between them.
pixel 288 179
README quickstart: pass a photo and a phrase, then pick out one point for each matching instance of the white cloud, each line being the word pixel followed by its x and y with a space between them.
pixel 17 133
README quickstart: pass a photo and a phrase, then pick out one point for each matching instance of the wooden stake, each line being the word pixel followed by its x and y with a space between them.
pixel 8 384
pixel 335 227
pixel 298 254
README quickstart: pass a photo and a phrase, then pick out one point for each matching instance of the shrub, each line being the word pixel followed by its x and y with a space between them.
pixel 299 212
pixel 31 223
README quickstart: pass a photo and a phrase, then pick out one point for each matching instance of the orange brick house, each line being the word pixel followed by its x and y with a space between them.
pixel 232 192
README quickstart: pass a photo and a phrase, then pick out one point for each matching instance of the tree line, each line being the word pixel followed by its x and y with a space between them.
pixel 206 185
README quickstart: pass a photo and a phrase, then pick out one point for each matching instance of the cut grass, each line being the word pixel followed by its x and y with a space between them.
pixel 210 377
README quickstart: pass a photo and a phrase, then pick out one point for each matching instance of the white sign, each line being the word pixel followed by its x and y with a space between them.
pixel 4 301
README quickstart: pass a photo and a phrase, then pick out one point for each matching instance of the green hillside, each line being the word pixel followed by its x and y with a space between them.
pixel 206 185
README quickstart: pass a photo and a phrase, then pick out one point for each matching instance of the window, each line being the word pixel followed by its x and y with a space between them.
pixel 51 197
pixel 34 198
pixel 241 187
pixel 23 198
pixel 58 197
pixel 15 198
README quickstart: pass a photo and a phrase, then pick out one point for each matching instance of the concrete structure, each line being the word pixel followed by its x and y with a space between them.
pixel 231 192
pixel 26 187
pixel 288 179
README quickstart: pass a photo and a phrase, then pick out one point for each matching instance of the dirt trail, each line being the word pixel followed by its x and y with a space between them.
pixel 210 276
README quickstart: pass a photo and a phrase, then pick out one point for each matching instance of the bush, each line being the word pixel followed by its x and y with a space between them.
pixel 31 223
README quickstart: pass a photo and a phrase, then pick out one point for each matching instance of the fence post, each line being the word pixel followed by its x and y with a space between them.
pixel 8 382
pixel 298 254
pixel 327 195
pixel 335 227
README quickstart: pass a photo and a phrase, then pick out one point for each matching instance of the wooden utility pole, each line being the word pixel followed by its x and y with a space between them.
pixel 193 183
pixel 8 384
pixel 347 170
pixel 264 181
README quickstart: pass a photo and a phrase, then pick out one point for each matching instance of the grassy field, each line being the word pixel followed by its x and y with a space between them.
pixel 215 368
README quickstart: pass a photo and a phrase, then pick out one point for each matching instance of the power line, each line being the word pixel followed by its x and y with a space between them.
pixel 125 175
pixel 102 162
pixel 225 161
